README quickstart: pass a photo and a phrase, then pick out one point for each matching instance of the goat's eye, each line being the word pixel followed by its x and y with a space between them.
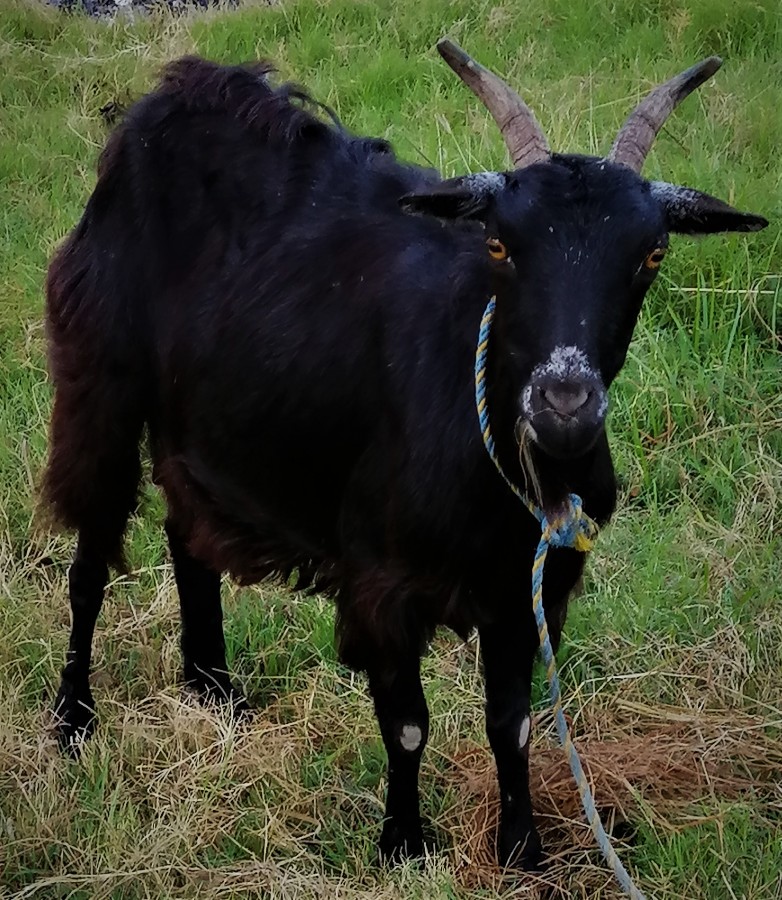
pixel 654 259
pixel 497 250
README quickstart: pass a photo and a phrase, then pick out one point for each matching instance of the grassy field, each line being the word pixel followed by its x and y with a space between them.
pixel 672 663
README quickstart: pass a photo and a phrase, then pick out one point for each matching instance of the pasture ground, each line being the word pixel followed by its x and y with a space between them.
pixel 672 663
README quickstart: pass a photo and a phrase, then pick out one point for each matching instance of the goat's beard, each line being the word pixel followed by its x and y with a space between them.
pixel 525 438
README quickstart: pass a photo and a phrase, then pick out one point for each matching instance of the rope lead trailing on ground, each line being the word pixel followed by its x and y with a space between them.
pixel 575 529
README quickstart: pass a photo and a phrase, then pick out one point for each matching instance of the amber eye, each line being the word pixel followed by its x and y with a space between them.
pixel 497 250
pixel 654 259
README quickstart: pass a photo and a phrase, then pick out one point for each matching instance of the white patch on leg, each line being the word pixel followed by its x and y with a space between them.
pixel 410 739
pixel 524 733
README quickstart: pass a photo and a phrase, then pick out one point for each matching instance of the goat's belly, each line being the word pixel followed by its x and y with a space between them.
pixel 234 526
pixel 260 459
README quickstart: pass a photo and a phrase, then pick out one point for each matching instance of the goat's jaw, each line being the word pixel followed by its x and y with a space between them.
pixel 563 446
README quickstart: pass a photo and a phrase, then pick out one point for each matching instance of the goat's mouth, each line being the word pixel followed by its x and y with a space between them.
pixel 563 440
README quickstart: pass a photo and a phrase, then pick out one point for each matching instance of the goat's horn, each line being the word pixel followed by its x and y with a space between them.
pixel 523 136
pixel 635 138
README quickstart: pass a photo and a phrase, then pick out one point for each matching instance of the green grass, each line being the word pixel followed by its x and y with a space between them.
pixel 673 656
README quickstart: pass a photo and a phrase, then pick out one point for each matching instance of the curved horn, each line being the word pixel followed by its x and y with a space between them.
pixel 523 136
pixel 635 138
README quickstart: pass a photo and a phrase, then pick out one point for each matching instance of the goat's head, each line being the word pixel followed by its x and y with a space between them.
pixel 574 243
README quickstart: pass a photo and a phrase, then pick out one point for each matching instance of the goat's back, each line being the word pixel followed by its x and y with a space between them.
pixel 293 340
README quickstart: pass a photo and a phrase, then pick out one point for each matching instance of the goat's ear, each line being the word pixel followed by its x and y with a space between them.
pixel 468 197
pixel 692 212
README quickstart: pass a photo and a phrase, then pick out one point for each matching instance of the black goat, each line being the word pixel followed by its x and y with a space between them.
pixel 248 282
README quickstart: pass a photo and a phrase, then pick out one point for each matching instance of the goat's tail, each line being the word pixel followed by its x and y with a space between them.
pixel 98 360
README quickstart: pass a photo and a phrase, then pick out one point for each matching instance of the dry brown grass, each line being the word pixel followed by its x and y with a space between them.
pixel 172 800
pixel 643 763
pixel 182 801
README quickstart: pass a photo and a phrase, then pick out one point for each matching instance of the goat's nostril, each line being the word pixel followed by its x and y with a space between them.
pixel 566 400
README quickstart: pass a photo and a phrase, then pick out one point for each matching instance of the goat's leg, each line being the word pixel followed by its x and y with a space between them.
pixel 404 723
pixel 508 651
pixel 74 708
pixel 203 642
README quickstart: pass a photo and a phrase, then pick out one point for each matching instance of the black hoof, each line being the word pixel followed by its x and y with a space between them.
pixel 524 853
pixel 399 843
pixel 74 719
pixel 215 687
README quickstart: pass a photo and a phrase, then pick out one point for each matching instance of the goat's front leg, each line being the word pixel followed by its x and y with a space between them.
pixel 404 723
pixel 508 650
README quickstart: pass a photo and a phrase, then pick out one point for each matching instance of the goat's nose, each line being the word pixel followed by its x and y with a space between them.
pixel 566 399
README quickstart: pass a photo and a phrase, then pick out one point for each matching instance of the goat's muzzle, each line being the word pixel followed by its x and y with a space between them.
pixel 565 415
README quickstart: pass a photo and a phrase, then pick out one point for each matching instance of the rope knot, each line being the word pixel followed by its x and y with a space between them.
pixel 573 528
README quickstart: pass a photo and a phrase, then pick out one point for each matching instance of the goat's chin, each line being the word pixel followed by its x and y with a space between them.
pixel 563 443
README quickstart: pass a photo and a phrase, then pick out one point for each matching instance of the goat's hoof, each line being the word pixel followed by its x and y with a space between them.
pixel 214 687
pixel 239 706
pixel 399 843
pixel 522 853
pixel 74 719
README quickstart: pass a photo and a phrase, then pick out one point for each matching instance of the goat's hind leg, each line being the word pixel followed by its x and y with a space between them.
pixel 203 642
pixel 74 708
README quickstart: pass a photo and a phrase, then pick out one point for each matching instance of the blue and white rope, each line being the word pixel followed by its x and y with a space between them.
pixel 575 529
